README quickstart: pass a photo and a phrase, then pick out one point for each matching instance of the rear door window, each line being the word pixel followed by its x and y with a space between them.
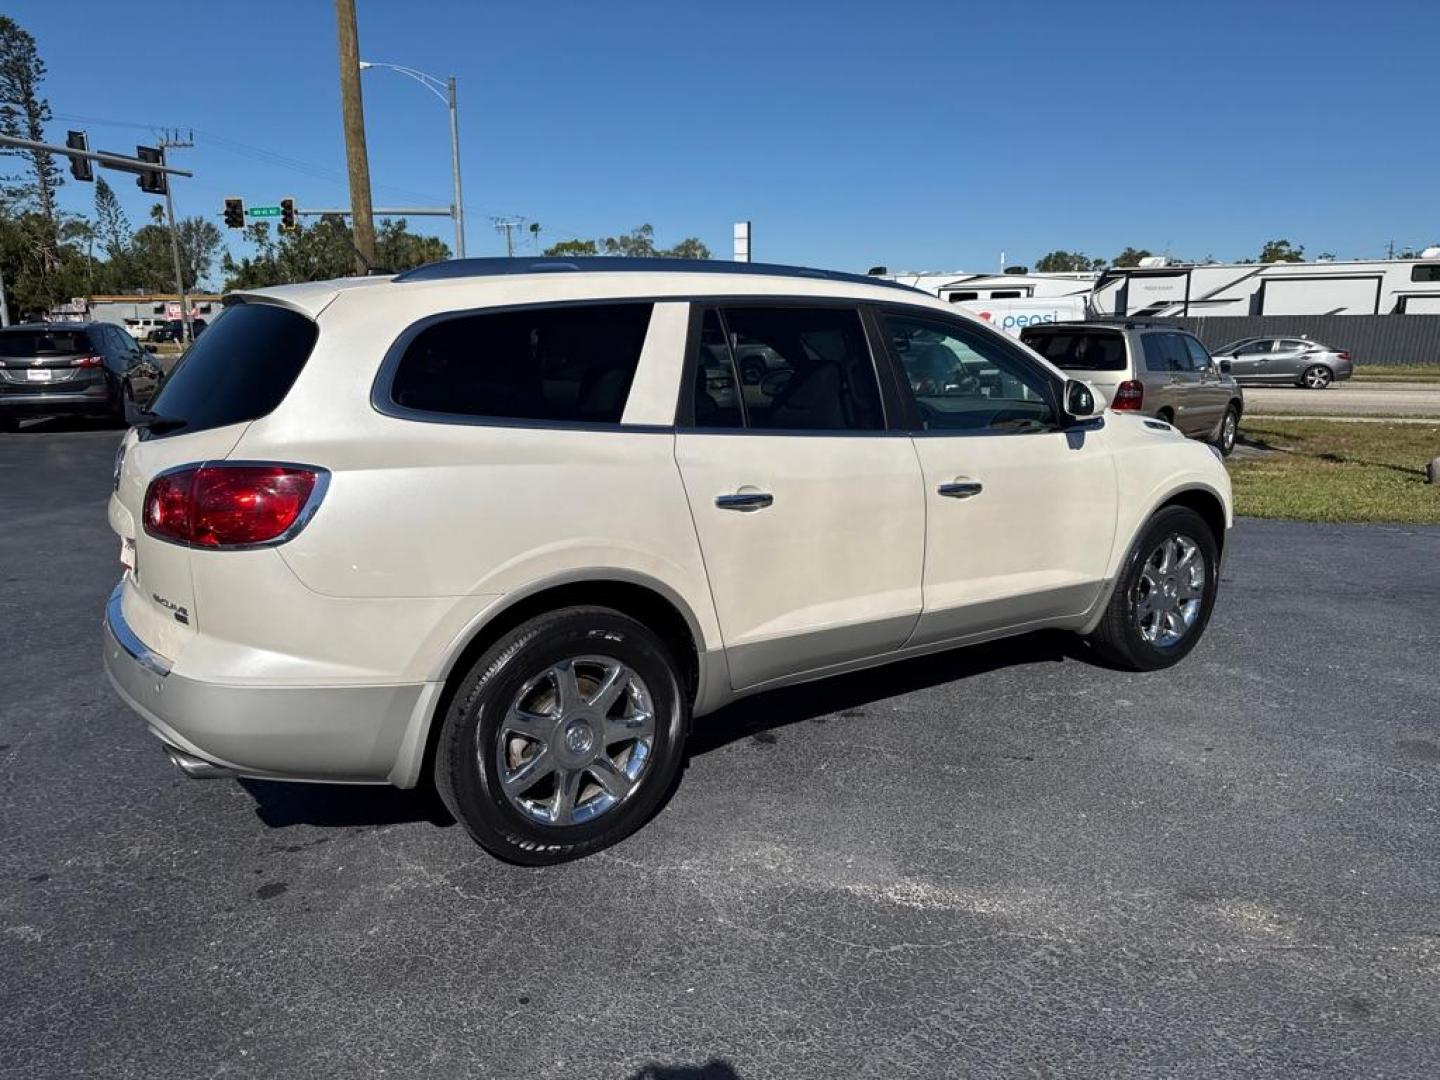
pixel 1165 352
pixel 1079 350
pixel 562 364
pixel 800 369
pixel 239 371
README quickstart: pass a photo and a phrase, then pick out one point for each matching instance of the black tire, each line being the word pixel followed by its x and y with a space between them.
pixel 1224 440
pixel 1119 639
pixel 1167 416
pixel 467 764
pixel 1317 377
pixel 125 411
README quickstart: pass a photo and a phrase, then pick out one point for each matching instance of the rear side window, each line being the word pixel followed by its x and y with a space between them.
pixel 799 369
pixel 1086 350
pixel 44 342
pixel 1165 352
pixel 556 364
pixel 240 370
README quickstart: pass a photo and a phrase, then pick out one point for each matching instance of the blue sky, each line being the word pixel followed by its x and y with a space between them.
pixel 917 135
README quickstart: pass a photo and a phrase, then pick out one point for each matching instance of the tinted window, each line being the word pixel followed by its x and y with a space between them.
pixel 240 370
pixel 717 383
pixel 48 342
pixel 1294 346
pixel 1005 294
pixel 1254 347
pixel 1425 272
pixel 802 369
pixel 1078 350
pixel 560 364
pixel 1199 358
pixel 1165 352
pixel 957 297
pixel 965 379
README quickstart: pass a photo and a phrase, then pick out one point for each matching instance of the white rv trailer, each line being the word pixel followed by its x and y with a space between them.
pixel 1158 288
pixel 961 286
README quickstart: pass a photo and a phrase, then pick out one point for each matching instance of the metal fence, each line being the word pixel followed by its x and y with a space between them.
pixel 1370 339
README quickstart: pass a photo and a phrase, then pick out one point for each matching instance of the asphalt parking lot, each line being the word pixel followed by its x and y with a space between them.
pixel 1002 862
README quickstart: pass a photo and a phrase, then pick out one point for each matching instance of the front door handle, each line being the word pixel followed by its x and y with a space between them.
pixel 961 489
pixel 745 500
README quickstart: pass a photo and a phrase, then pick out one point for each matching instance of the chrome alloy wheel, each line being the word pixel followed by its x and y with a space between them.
pixel 1171 588
pixel 1227 432
pixel 576 741
pixel 1317 377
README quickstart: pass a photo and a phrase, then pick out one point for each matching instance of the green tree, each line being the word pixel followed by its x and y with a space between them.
pixel 573 248
pixel 1061 261
pixel 24 114
pixel 324 250
pixel 151 264
pixel 1281 251
pixel 638 243
pixel 1130 257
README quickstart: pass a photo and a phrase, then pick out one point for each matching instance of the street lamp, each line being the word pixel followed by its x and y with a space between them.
pixel 444 89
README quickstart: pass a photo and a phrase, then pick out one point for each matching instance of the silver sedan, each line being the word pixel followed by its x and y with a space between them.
pixel 1262 361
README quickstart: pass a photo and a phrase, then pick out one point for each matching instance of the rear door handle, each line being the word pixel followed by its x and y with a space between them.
pixel 745 500
pixel 961 489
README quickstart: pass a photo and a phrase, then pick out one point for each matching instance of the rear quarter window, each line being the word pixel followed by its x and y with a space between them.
pixel 562 364
pixel 239 371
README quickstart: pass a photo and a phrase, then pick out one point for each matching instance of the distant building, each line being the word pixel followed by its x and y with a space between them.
pixel 123 310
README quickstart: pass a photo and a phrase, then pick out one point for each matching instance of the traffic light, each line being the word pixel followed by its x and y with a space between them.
pixel 234 213
pixel 80 168
pixel 287 215
pixel 152 183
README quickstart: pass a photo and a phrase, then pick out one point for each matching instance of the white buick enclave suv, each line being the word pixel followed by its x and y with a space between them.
pixel 513 524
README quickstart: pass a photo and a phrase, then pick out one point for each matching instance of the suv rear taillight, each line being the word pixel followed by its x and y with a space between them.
pixel 230 506
pixel 1128 395
pixel 87 361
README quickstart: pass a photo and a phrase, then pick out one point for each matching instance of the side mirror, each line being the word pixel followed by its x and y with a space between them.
pixel 1080 401
pixel 1224 367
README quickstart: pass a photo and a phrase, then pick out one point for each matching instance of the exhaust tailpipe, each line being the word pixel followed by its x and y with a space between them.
pixel 197 768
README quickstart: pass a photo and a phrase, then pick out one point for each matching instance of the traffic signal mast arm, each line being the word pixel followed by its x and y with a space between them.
pixel 110 161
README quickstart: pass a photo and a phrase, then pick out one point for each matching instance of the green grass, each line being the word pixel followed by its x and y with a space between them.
pixel 1383 373
pixel 1326 470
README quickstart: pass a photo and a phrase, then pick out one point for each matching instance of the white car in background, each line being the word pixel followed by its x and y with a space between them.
pixel 515 525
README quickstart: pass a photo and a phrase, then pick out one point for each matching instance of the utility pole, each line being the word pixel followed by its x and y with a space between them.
pixel 353 111
pixel 172 140
pixel 508 227
pixel 455 170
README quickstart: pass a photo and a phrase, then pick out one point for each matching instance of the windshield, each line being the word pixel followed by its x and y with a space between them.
pixel 44 342
pixel 1078 350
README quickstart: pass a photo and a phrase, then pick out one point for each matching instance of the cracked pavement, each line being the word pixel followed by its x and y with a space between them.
pixel 998 862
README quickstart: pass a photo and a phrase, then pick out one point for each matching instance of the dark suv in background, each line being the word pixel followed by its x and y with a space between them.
pixel 73 369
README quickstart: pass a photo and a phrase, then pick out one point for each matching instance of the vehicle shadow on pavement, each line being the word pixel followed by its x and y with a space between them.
pixel 280 804
pixel 53 425
pixel 714 1069
pixel 754 717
